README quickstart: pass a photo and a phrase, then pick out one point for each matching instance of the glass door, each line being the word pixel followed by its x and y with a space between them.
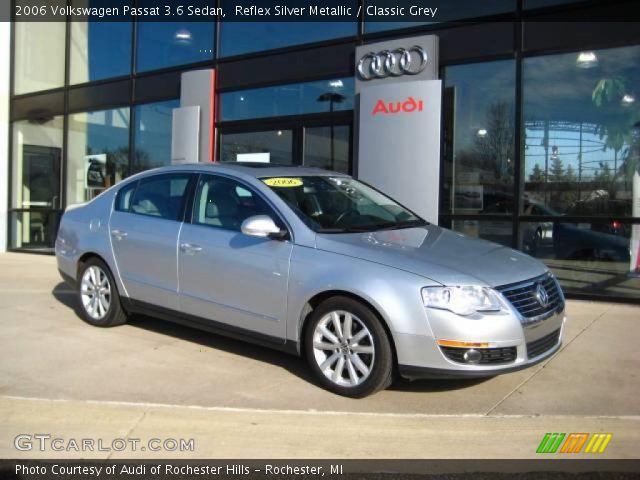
pixel 327 146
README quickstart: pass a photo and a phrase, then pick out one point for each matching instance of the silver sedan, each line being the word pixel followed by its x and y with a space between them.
pixel 314 263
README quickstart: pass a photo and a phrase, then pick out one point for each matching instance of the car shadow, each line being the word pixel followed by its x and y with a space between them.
pixel 291 363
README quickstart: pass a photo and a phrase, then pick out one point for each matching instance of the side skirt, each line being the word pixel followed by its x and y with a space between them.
pixel 210 326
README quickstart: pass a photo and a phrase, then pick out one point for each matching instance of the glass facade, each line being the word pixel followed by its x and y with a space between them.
pixel 98 144
pixel 581 149
pixel 99 50
pixel 39 56
pixel 153 135
pixel 541 145
pixel 479 165
pixel 36 185
pixel 293 99
pixel 274 146
pixel 167 44
pixel 328 148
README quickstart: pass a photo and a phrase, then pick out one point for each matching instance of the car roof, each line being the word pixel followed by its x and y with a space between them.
pixel 253 169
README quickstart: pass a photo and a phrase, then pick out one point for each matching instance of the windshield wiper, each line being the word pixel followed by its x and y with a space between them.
pixel 410 224
pixel 374 227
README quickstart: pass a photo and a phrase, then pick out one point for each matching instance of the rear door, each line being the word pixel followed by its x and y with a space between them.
pixel 144 229
pixel 228 277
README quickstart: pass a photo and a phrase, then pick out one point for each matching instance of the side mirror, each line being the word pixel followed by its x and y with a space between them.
pixel 262 226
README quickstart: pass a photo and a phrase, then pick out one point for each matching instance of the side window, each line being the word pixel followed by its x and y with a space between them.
pixel 225 203
pixel 123 198
pixel 162 196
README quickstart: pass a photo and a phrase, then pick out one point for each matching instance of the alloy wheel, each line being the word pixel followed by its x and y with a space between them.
pixel 95 291
pixel 343 348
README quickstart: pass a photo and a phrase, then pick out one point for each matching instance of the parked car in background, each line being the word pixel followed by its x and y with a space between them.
pixel 314 263
pixel 533 232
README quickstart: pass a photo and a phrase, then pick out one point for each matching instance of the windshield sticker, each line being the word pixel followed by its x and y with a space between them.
pixel 283 182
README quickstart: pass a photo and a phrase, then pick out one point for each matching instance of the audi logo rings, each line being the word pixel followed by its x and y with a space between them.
pixel 395 63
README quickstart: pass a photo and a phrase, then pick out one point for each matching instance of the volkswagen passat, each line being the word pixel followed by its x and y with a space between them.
pixel 314 263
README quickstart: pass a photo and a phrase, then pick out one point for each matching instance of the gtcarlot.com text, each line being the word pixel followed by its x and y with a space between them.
pixel 43 442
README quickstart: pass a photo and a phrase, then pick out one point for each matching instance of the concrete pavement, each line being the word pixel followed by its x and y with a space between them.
pixel 151 379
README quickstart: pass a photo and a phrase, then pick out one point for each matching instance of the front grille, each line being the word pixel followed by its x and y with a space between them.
pixel 544 344
pixel 523 296
pixel 489 355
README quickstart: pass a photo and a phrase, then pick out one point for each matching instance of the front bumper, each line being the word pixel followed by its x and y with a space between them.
pixel 420 356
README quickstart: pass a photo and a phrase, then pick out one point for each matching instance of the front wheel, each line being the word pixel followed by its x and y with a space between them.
pixel 98 295
pixel 348 348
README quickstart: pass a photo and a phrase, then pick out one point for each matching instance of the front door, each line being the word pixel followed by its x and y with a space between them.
pixel 144 229
pixel 225 276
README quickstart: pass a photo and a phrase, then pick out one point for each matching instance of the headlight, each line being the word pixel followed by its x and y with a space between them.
pixel 465 300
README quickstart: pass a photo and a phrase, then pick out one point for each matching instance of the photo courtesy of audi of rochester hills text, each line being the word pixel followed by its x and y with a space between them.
pixel 339 239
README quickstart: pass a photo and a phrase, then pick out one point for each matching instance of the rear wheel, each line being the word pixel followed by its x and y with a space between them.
pixel 348 349
pixel 98 295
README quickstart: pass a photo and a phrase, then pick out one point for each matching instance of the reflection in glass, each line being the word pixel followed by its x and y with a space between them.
pixel 37 156
pixel 327 147
pixel 590 258
pixel 447 11
pixel 497 231
pixel 39 56
pixel 98 152
pixel 34 230
pixel 479 112
pixel 153 134
pixel 99 50
pixel 293 99
pixel 582 126
pixel 264 147
pixel 166 44
pixel 237 38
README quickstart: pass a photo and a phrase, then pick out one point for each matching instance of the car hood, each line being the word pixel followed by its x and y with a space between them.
pixel 438 254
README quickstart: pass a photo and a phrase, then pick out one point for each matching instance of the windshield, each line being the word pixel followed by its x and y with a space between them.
pixel 340 204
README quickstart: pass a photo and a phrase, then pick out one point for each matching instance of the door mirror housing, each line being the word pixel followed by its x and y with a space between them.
pixel 262 226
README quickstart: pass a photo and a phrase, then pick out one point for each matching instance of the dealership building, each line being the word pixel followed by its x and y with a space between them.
pixel 508 120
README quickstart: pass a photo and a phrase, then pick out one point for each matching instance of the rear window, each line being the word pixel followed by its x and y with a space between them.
pixel 124 196
pixel 162 196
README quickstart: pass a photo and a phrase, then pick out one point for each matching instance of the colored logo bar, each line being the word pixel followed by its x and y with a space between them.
pixel 574 442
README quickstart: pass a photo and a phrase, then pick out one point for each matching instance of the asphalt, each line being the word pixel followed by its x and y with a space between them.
pixel 151 379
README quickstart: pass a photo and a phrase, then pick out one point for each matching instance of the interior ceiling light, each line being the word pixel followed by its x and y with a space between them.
pixel 336 84
pixel 482 132
pixel 628 99
pixel 183 37
pixel 587 60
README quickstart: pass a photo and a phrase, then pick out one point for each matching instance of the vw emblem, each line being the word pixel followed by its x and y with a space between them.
pixel 542 296
pixel 401 61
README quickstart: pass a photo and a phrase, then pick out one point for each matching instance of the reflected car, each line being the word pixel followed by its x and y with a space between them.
pixel 586 241
pixel 533 233
pixel 314 263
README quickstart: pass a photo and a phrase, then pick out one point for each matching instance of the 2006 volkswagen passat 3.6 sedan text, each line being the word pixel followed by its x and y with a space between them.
pixel 314 263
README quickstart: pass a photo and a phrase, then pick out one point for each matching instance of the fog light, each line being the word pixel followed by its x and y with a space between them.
pixel 472 356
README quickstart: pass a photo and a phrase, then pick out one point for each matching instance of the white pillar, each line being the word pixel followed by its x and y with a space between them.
pixel 5 64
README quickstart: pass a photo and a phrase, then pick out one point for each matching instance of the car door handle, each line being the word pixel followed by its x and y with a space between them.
pixel 190 248
pixel 118 234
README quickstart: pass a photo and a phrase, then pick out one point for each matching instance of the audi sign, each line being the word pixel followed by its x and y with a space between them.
pixel 401 61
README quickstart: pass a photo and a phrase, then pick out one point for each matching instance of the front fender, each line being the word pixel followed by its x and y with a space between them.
pixel 394 293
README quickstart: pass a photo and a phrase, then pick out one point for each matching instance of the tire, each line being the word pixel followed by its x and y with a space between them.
pixel 95 272
pixel 326 345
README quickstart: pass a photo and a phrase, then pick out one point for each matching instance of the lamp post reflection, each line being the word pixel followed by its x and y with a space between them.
pixel 332 98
